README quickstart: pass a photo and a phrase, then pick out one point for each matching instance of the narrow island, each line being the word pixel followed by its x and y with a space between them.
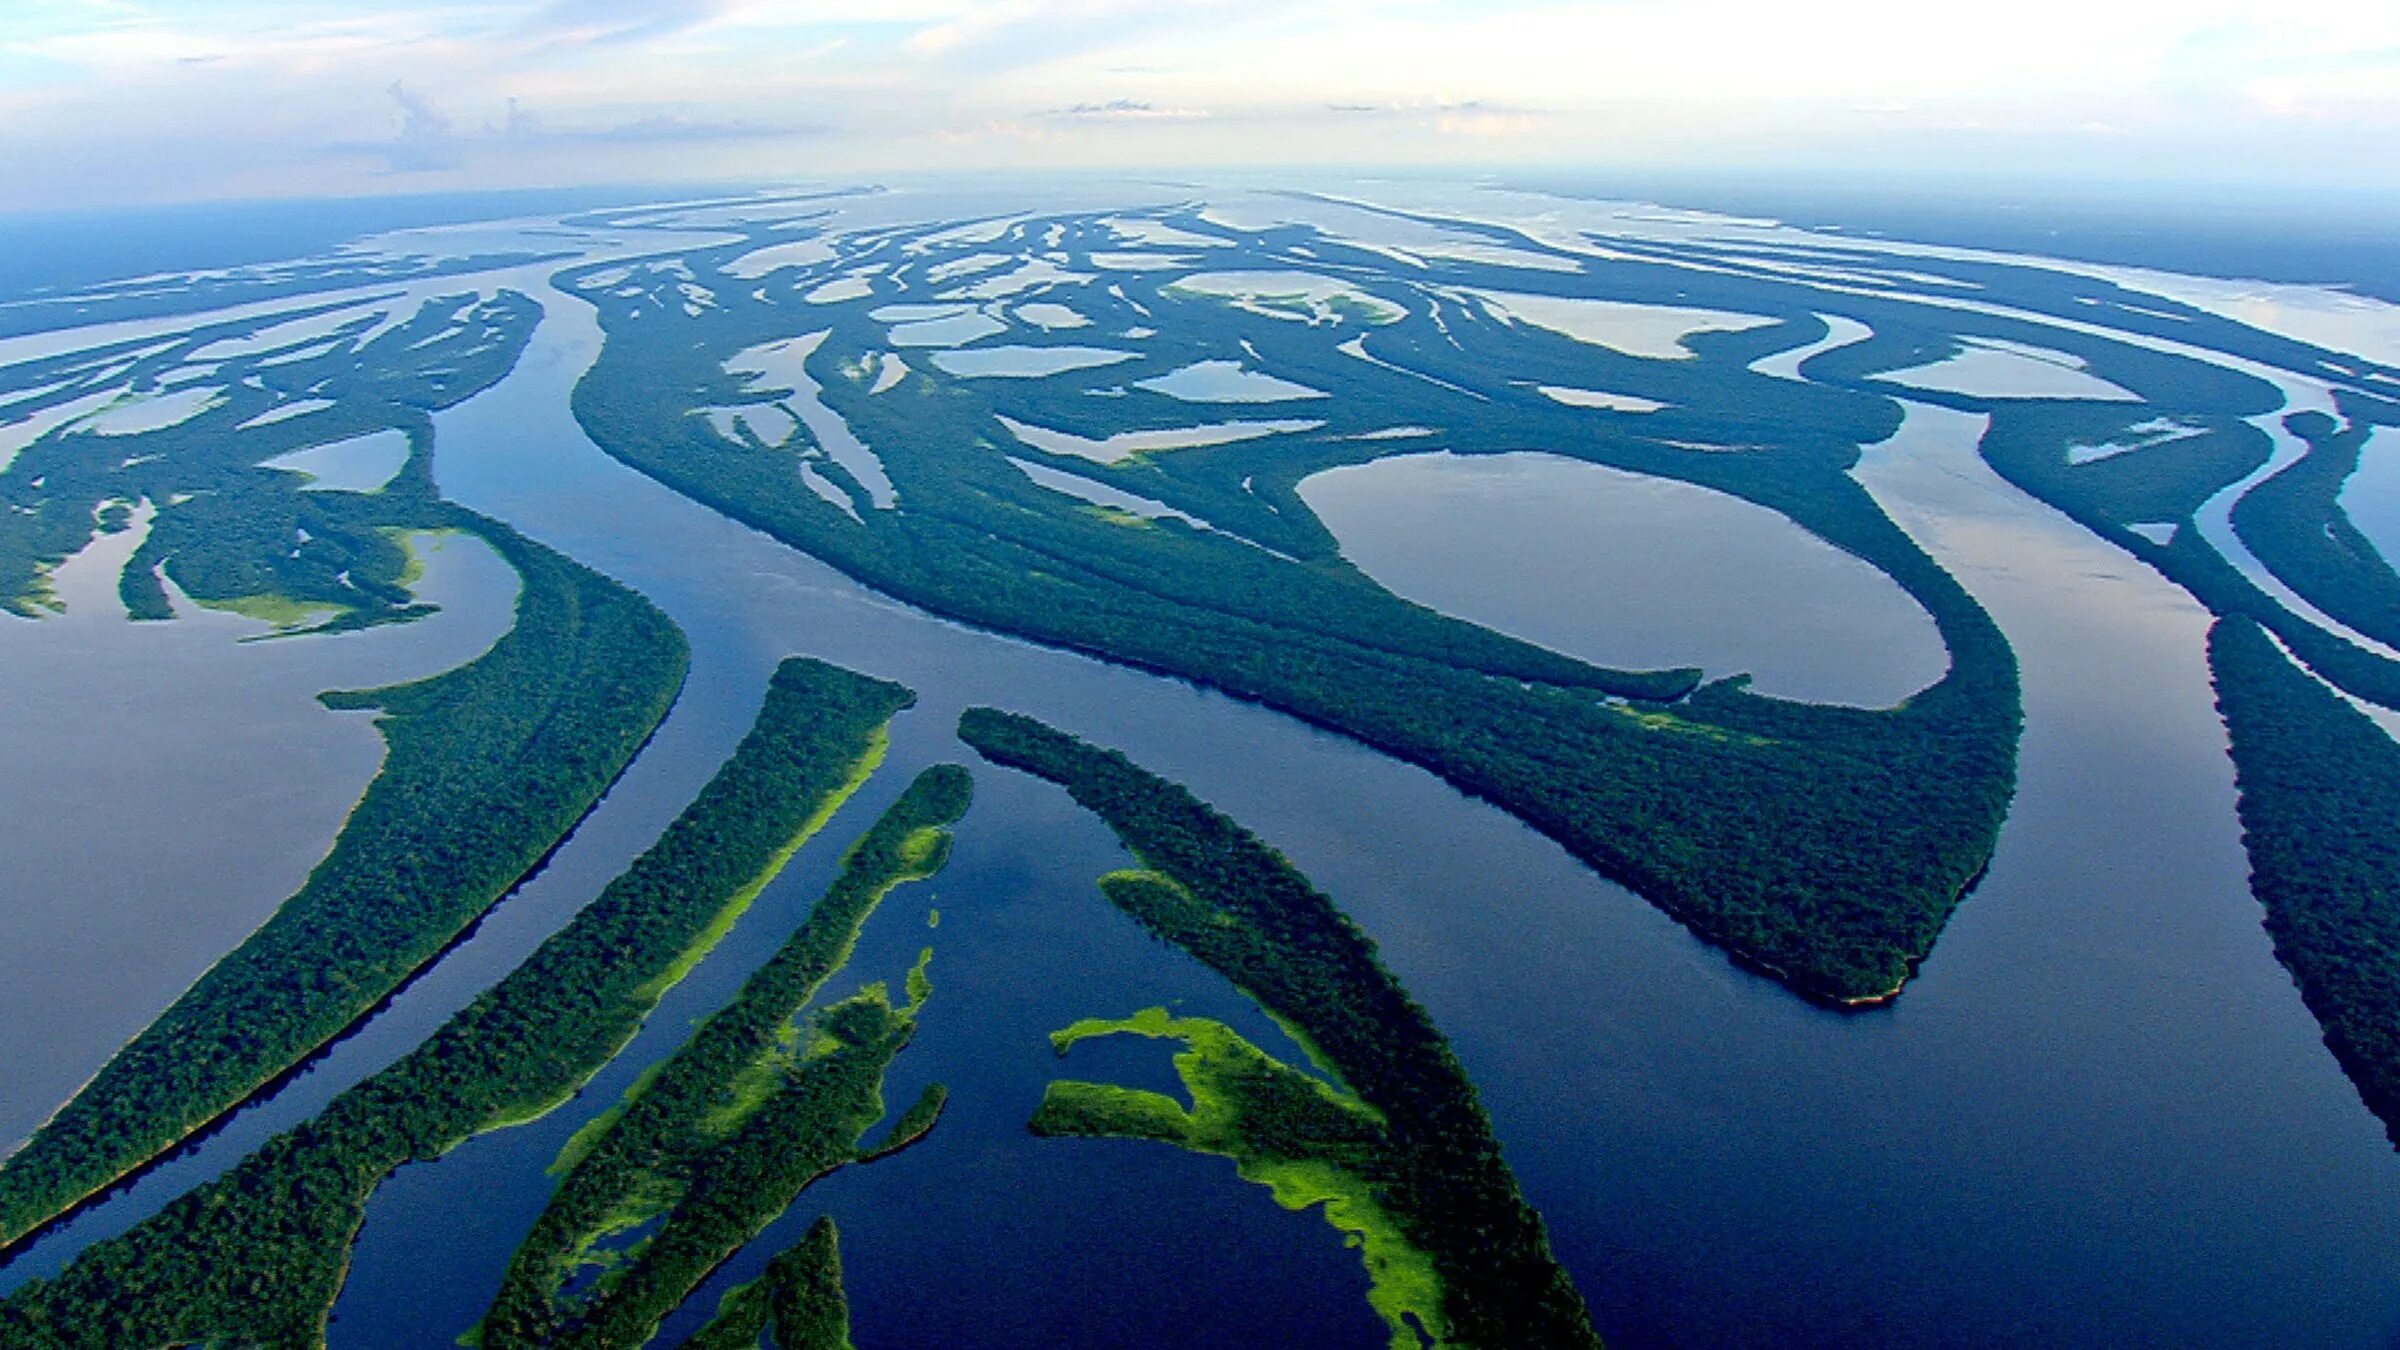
pixel 1397 1145
pixel 487 767
pixel 257 1255
pixel 2319 785
pixel 717 1141
pixel 799 1302
pixel 1307 1141
pixel 2317 777
pixel 2147 500
pixel 1824 845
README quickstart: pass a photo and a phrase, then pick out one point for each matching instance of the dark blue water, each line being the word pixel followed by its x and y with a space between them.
pixel 1057 1229
pixel 2099 1113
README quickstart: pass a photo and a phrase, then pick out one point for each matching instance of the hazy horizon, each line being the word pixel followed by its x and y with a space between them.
pixel 117 102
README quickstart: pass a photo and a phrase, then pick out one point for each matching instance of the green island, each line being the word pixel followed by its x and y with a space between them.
pixel 2318 782
pixel 487 767
pixel 1307 1142
pixel 799 1301
pixel 2295 524
pixel 1824 845
pixel 2293 521
pixel 2316 776
pixel 230 528
pixel 257 1255
pixel 1401 1150
pixel 717 1141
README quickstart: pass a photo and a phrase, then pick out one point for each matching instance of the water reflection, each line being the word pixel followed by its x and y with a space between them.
pixel 1628 570
pixel 170 784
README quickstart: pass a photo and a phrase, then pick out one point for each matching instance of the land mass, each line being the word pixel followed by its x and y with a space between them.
pixel 2320 808
pixel 257 1256
pixel 717 1141
pixel 1463 1258
pixel 1825 845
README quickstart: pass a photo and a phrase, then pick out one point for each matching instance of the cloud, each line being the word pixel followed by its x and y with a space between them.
pixel 598 22
pixel 1468 117
pixel 427 142
pixel 667 128
pixel 424 143
pixel 1015 35
pixel 1123 109
pixel 132 99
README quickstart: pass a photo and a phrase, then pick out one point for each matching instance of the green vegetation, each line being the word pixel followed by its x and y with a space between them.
pixel 715 1143
pixel 809 1127
pixel 488 767
pixel 2318 778
pixel 227 530
pixel 2320 807
pixel 799 1299
pixel 913 1124
pixel 1445 1225
pixel 2295 524
pixel 1826 845
pixel 2293 521
pixel 1309 1143
pixel 257 1255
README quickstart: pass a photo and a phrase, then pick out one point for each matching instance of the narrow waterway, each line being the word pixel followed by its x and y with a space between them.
pixel 2099 1114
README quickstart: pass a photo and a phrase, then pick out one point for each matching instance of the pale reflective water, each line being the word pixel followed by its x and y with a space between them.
pixel 2100 1113
pixel 169 785
pixel 1626 570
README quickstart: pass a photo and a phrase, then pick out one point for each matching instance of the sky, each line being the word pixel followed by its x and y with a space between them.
pixel 108 102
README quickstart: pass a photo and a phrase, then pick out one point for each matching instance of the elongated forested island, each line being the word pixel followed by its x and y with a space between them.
pixel 488 766
pixel 716 1142
pixel 257 1256
pixel 1397 1145
pixel 1825 845
pixel 799 1302
pixel 2320 786
pixel 469 838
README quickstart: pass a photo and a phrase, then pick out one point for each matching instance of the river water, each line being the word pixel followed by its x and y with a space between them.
pixel 2099 1112
pixel 2057 1129
pixel 169 784
pixel 1626 570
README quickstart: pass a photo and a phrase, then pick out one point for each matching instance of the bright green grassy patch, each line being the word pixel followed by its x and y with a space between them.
pixel 920 986
pixel 415 543
pixel 256 1256
pixel 1658 719
pixel 738 904
pixel 735 1123
pixel 1308 1143
pixel 279 610
pixel 1439 1216
pixel 1117 515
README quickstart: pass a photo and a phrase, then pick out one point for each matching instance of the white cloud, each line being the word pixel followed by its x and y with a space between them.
pixel 122 100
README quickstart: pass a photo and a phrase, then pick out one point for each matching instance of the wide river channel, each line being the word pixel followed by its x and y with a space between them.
pixel 2100 1113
